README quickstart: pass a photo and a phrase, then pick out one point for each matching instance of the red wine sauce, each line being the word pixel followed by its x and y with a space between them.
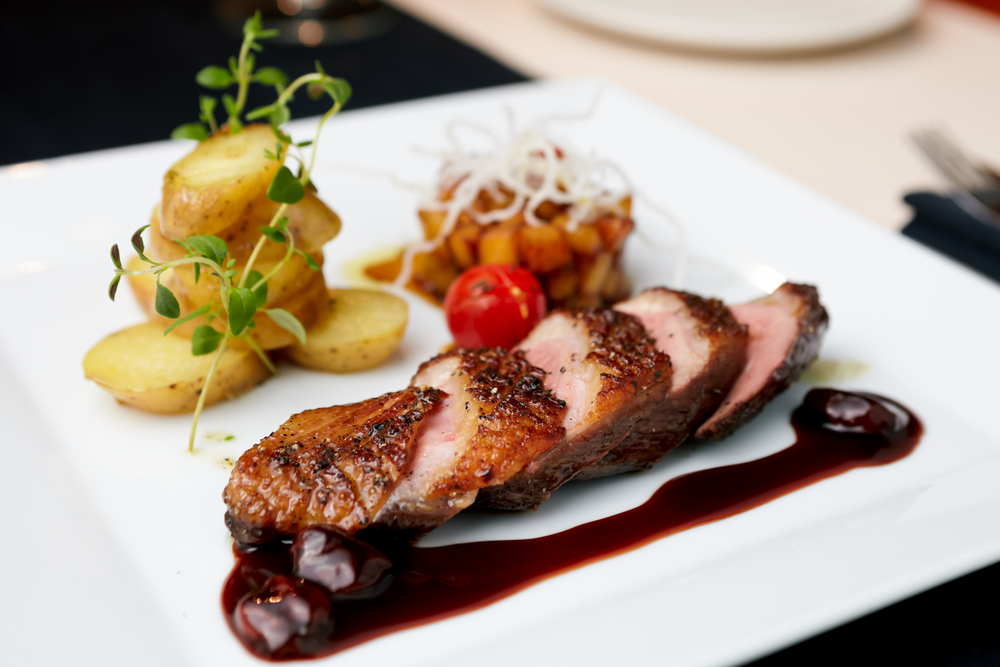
pixel 280 616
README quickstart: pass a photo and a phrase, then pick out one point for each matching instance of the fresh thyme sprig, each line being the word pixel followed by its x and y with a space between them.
pixel 240 300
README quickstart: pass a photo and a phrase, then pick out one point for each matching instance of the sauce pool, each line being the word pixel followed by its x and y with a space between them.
pixel 275 606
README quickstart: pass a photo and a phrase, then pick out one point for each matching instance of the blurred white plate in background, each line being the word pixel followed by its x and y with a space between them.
pixel 744 25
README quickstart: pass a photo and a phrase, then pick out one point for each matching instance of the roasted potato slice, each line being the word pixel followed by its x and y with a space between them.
pixel 217 183
pixel 362 330
pixel 311 223
pixel 308 306
pixel 161 248
pixel 289 281
pixel 146 370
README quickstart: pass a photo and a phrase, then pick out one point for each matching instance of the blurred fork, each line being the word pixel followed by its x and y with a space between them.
pixel 978 185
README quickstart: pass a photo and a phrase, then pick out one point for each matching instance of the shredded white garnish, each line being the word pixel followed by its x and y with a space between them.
pixel 535 167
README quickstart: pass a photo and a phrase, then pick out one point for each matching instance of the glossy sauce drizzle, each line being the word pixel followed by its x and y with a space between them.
pixel 275 607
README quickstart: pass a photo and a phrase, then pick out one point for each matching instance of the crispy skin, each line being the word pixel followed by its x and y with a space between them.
pixel 515 416
pixel 498 417
pixel 803 321
pixel 332 466
pixel 624 378
pixel 707 347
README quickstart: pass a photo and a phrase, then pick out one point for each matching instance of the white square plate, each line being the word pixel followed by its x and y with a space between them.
pixel 115 536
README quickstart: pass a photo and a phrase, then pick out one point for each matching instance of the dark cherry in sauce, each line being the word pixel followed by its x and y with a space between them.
pixel 325 592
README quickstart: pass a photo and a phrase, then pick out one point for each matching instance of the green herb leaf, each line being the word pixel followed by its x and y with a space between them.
pixel 137 243
pixel 303 144
pixel 285 188
pixel 242 307
pixel 319 68
pixel 250 63
pixel 208 104
pixel 116 257
pixel 234 114
pixel 280 116
pixel 338 89
pixel 197 272
pixel 260 112
pixel 253 278
pixel 288 322
pixel 113 287
pixel 195 131
pixel 166 303
pixel 217 78
pixel 187 318
pixel 252 25
pixel 211 247
pixel 282 223
pixel 267 34
pixel 271 76
pixel 205 340
pixel 274 234
pixel 310 262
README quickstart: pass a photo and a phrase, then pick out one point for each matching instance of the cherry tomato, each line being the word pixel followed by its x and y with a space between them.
pixel 493 305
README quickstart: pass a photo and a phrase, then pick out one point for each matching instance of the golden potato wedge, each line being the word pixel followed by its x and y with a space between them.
pixel 362 330
pixel 215 184
pixel 309 306
pixel 291 280
pixel 311 223
pixel 146 370
pixel 161 248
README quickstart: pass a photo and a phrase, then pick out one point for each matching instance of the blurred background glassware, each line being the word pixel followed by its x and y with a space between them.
pixel 977 185
pixel 311 22
pixel 744 26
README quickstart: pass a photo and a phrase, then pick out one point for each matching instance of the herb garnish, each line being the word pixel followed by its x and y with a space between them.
pixel 240 299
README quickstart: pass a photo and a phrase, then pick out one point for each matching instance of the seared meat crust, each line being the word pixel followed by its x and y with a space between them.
pixel 498 417
pixel 801 303
pixel 690 400
pixel 516 417
pixel 630 376
pixel 332 466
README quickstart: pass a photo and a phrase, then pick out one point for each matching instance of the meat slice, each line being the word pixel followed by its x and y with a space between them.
pixel 608 370
pixel 497 417
pixel 327 467
pixel 786 329
pixel 707 348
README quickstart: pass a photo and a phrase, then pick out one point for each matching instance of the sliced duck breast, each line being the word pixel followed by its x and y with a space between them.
pixel 707 348
pixel 786 328
pixel 607 369
pixel 327 467
pixel 497 417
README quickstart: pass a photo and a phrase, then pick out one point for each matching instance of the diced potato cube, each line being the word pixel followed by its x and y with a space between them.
pixel 432 221
pixel 596 274
pixel 462 244
pixel 562 284
pixel 498 245
pixel 543 249
pixel 613 232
